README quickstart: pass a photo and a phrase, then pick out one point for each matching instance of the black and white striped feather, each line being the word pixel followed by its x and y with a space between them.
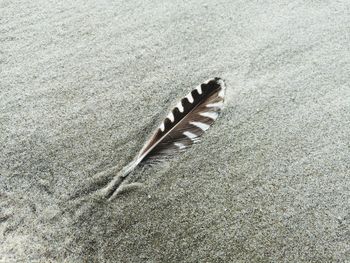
pixel 182 127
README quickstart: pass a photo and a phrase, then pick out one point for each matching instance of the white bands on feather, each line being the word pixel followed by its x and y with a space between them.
pixel 179 145
pixel 190 135
pixel 200 125
pixel 171 116
pixel 211 115
pixel 199 89
pixel 215 105
pixel 189 97
pixel 221 93
pixel 180 107
pixel 162 128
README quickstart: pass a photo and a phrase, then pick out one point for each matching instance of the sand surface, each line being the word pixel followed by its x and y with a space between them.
pixel 84 83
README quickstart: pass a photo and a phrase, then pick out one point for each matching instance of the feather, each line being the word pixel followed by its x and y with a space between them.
pixel 182 127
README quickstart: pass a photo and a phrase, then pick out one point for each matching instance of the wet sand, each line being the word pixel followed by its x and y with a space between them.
pixel 83 84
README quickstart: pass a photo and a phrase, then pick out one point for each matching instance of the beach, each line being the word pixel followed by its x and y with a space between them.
pixel 83 84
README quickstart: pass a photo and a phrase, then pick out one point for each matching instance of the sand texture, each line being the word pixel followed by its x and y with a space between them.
pixel 84 83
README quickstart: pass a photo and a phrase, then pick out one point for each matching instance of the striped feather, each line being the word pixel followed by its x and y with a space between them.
pixel 182 127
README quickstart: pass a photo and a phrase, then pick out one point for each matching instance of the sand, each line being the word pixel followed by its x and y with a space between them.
pixel 84 83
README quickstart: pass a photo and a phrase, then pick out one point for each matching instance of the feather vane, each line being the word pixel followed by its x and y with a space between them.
pixel 182 127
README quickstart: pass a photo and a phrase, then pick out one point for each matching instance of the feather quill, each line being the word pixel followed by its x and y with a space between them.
pixel 182 127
